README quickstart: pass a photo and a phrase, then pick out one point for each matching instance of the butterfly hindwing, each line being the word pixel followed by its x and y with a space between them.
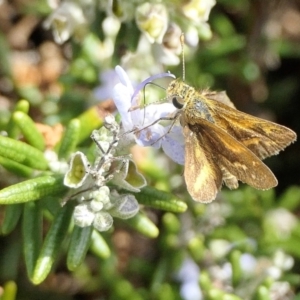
pixel 203 178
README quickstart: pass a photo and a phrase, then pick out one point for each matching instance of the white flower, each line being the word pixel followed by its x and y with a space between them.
pixel 152 20
pixel 55 164
pixel 220 247
pixel 83 215
pixel 78 171
pixel 283 261
pixel 198 10
pixel 124 206
pixel 98 203
pixel 281 290
pixel 111 26
pixel 139 120
pixel 164 55
pixel 281 222
pixel 66 20
pixel 103 221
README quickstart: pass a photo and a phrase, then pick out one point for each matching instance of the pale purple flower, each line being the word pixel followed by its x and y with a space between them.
pixel 108 80
pixel 139 120
pixel 189 276
pixel 248 263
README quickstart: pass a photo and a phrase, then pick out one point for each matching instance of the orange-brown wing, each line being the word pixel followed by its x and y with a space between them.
pixel 262 137
pixel 219 96
pixel 202 176
pixel 226 153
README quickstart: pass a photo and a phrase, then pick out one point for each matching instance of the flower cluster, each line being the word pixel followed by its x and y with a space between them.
pixel 160 27
pixel 98 201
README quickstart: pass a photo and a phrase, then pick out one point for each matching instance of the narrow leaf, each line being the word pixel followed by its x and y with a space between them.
pixel 11 218
pixel 22 153
pixel 98 246
pixel 32 189
pixel 160 199
pixel 15 167
pixel 32 234
pixel 144 225
pixel 27 126
pixel 70 139
pixel 52 243
pixel 12 128
pixel 79 245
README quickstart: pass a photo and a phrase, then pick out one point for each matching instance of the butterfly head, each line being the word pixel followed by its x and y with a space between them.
pixel 177 92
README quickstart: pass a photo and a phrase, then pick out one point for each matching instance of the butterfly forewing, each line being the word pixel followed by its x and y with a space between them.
pixel 262 137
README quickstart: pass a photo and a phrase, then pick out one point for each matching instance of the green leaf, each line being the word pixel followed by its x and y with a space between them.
pixel 171 223
pixel 9 291
pixel 32 227
pixel 262 293
pixel 70 139
pixel 12 128
pixel 52 243
pixel 290 199
pixel 196 248
pixel 235 257
pixel 98 246
pixel 79 245
pixel 152 197
pixel 11 218
pixel 15 167
pixel 32 189
pixel 27 126
pixel 22 153
pixel 144 225
pixel 90 120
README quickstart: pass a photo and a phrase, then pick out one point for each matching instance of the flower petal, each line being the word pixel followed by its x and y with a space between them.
pixel 125 207
pixel 151 136
pixel 122 98
pixel 83 216
pixel 78 170
pixel 173 145
pixel 103 221
pixel 150 79
pixel 124 78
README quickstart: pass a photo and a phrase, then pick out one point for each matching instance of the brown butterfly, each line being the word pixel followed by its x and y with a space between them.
pixel 223 144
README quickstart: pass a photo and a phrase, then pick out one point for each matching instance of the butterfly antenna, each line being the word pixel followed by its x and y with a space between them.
pixel 182 54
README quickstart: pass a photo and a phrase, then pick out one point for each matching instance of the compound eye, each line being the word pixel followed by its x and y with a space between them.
pixel 177 102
